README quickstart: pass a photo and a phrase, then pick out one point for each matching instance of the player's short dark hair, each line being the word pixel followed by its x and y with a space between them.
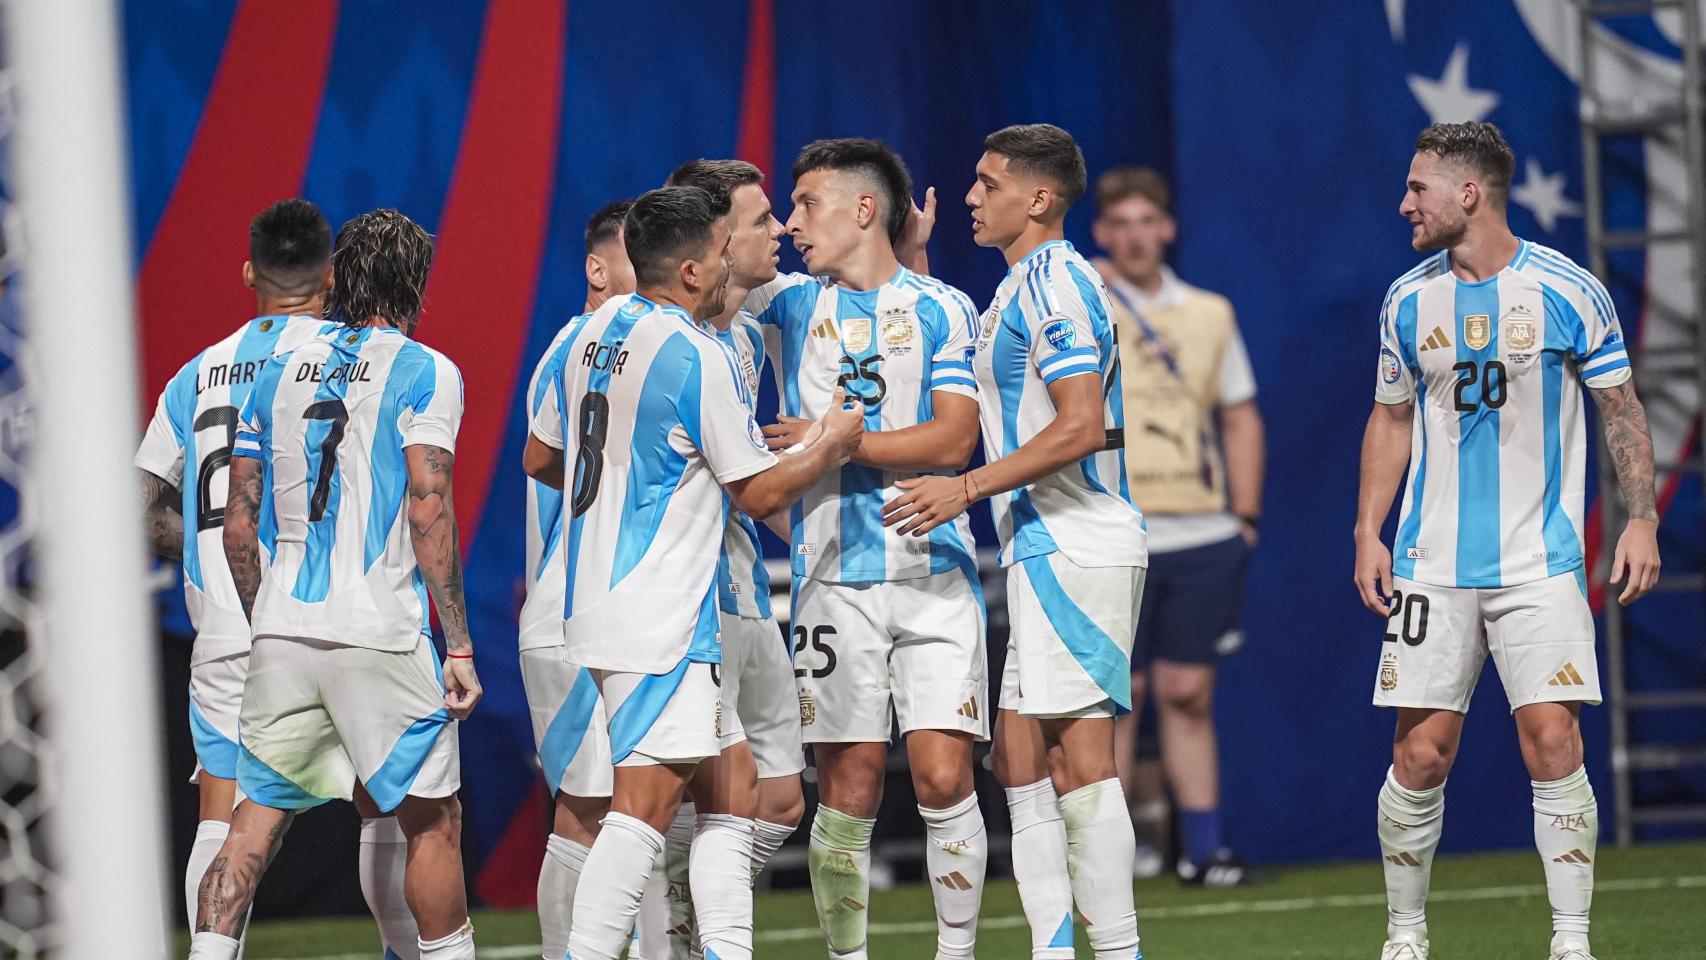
pixel 666 226
pixel 289 244
pixel 379 269
pixel 1120 183
pixel 1044 150
pixel 606 225
pixel 719 178
pixel 1478 147
pixel 872 158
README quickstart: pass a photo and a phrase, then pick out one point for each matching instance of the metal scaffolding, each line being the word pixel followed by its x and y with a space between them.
pixel 1613 108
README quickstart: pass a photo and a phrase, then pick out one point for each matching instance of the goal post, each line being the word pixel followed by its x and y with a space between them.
pixel 92 632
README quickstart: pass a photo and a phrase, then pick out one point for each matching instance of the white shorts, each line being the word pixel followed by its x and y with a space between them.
pixel 1437 638
pixel 570 730
pixel 317 716
pixel 913 645
pixel 216 700
pixel 1069 635
pixel 663 717
pixel 758 688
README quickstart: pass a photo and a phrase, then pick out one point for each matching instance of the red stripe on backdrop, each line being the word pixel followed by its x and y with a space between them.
pixel 491 239
pixel 756 140
pixel 250 148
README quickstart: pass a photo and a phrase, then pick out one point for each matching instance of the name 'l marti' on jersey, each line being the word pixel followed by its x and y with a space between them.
pixel 330 421
pixel 1050 320
pixel 889 348
pixel 1498 452
pixel 648 410
pixel 188 444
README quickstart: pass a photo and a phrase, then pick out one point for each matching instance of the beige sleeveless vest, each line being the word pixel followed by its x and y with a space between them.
pixel 1171 380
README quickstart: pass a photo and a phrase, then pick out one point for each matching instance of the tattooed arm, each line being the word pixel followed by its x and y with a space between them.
pixel 242 525
pixel 163 509
pixel 1631 448
pixel 432 529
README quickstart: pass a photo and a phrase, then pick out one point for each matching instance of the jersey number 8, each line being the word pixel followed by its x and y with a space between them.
pixel 589 462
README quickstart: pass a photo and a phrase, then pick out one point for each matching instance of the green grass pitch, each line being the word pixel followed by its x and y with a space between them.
pixel 1650 905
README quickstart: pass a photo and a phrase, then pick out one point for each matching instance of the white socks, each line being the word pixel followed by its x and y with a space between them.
pixel 840 859
pixel 677 887
pixel 208 945
pixel 957 853
pixel 1566 832
pixel 209 837
pixel 457 946
pixel 1409 828
pixel 651 926
pixel 767 838
pixel 1039 868
pixel 381 860
pixel 720 874
pixel 612 881
pixel 1100 846
pixel 558 877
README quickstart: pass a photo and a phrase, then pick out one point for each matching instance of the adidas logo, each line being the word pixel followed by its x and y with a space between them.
pixel 1574 856
pixel 1567 677
pixel 1405 859
pixel 826 330
pixel 968 709
pixel 954 881
pixel 1435 339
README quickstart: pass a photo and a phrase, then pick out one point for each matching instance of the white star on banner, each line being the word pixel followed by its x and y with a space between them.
pixel 1450 98
pixel 1543 195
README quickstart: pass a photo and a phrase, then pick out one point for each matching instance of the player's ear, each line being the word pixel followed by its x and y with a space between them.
pixel 1470 195
pixel 1169 230
pixel 597 275
pixel 249 274
pixel 329 279
pixel 1041 199
pixel 867 211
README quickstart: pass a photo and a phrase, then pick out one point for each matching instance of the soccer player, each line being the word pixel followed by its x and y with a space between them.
pixel 1074 548
pixel 1194 454
pixel 881 623
pixel 1481 347
pixel 757 672
pixel 193 430
pixel 343 460
pixel 568 716
pixel 650 411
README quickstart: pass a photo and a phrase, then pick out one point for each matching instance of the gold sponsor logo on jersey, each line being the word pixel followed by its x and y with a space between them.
pixel 750 372
pixel 1477 330
pixel 825 329
pixel 856 334
pixel 266 325
pixel 808 708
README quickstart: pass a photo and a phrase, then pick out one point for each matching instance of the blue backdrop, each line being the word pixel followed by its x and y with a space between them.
pixel 502 125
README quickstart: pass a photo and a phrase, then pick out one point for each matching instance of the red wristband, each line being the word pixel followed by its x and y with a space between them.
pixel 460 656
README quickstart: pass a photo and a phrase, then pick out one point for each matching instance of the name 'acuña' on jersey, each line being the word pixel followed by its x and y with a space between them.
pixel 1498 451
pixel 648 410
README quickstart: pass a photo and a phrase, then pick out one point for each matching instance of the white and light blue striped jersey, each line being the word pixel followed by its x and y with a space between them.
pixel 1498 451
pixel 743 583
pixel 542 611
pixel 193 431
pixel 648 411
pixel 329 422
pixel 892 348
pixel 1050 320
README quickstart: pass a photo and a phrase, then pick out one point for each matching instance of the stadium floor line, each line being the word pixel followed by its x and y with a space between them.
pixel 1174 911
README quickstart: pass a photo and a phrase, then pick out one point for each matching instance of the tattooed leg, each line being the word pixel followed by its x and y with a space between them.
pixel 228 887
